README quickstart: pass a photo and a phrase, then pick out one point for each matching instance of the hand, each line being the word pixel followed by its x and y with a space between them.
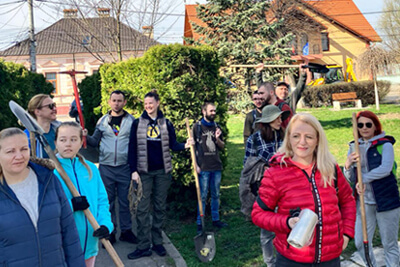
pixel 101 232
pixel 351 158
pixel 189 142
pixel 359 189
pixel 301 69
pixel 79 203
pixel 218 133
pixel 259 67
pixel 135 177
pixel 198 170
pixel 292 221
pixel 85 132
pixel 346 240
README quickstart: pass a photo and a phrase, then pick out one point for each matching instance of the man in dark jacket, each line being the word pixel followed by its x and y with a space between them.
pixel 249 123
pixel 152 137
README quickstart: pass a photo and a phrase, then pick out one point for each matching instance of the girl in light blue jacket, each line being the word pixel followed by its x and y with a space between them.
pixel 86 179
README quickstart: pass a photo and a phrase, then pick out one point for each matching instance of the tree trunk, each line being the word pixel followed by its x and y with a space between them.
pixel 376 94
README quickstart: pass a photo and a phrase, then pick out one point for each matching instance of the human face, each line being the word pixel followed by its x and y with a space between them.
pixel 282 92
pixel 14 155
pixel 266 95
pixel 258 101
pixel 303 140
pixel 210 113
pixel 276 124
pixel 47 111
pixel 365 132
pixel 151 106
pixel 117 103
pixel 68 141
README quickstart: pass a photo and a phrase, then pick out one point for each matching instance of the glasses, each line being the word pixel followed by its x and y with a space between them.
pixel 360 125
pixel 50 106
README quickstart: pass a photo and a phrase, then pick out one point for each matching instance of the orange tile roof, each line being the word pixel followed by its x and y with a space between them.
pixel 343 12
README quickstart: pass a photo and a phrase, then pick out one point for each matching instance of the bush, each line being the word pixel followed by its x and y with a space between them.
pixel 90 92
pixel 184 77
pixel 20 85
pixel 321 95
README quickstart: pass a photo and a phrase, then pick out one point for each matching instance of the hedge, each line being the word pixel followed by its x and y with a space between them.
pixel 184 77
pixel 20 85
pixel 321 95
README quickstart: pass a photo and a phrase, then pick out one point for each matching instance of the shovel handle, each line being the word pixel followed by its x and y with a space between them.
pixel 196 176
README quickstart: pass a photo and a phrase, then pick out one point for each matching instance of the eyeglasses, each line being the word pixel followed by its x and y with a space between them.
pixel 360 125
pixel 50 106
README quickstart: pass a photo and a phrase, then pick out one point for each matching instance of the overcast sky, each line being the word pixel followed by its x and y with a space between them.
pixel 14 19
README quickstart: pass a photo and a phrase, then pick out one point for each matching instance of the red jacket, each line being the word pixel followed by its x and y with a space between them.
pixel 289 187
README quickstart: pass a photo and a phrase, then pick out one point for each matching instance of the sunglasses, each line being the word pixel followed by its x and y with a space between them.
pixel 50 106
pixel 360 125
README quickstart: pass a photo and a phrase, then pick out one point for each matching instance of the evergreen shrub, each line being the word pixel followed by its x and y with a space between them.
pixel 184 77
pixel 321 95
pixel 18 84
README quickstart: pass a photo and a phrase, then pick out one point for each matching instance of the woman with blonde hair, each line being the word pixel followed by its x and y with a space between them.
pixel 44 110
pixel 36 223
pixel 304 175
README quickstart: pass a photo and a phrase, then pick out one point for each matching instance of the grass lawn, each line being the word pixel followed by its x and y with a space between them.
pixel 239 244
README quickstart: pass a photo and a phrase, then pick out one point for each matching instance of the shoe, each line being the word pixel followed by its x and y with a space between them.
pixel 128 236
pixel 160 250
pixel 138 253
pixel 219 224
pixel 199 229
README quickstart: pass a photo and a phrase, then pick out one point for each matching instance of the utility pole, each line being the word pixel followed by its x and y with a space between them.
pixel 32 46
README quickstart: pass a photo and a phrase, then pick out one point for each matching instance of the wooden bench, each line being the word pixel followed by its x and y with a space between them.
pixel 337 98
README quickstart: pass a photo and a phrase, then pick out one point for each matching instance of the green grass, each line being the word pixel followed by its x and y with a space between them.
pixel 239 244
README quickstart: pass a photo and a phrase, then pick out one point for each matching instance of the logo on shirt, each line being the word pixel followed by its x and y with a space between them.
pixel 153 131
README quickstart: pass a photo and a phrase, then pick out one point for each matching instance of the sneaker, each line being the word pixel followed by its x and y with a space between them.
pixel 138 253
pixel 128 236
pixel 219 224
pixel 160 250
pixel 199 229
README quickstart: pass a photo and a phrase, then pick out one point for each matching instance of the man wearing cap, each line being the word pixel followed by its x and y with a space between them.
pixel 271 99
pixel 282 89
pixel 249 123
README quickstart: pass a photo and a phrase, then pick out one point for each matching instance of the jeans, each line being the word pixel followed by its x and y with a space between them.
pixel 266 238
pixel 210 179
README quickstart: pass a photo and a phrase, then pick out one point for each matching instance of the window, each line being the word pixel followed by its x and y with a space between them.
pixel 86 40
pixel 51 77
pixel 325 41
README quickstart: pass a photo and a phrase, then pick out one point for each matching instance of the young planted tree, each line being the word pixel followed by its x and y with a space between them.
pixel 389 23
pixel 244 32
pixel 375 60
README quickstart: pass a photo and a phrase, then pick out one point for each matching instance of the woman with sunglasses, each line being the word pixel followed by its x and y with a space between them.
pixel 44 110
pixel 380 189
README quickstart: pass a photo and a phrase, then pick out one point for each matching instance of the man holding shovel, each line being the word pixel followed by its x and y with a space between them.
pixel 208 139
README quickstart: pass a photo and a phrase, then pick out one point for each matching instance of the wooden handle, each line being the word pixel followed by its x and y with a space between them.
pixel 196 177
pixel 265 66
pixel 359 179
pixel 110 249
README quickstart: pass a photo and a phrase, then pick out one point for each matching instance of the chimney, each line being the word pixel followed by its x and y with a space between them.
pixel 103 12
pixel 70 13
pixel 148 31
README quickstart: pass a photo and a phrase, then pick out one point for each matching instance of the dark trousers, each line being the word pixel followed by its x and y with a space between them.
pixel 281 261
pixel 116 181
pixel 155 186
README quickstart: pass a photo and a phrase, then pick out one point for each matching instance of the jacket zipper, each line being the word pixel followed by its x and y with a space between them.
pixel 79 189
pixel 317 207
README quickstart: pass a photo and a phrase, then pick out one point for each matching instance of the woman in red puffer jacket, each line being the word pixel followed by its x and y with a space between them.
pixel 301 176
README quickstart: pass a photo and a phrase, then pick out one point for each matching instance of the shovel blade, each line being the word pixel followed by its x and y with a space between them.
pixel 204 244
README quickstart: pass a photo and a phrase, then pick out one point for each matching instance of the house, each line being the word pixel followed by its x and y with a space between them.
pixel 82 44
pixel 337 31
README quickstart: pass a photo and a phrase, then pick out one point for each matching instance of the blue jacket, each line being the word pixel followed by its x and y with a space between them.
pixel 93 189
pixel 55 241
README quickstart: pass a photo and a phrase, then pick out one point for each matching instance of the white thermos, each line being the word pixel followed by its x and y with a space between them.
pixel 302 233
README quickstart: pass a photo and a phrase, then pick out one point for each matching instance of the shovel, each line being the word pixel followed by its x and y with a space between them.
pixel 34 127
pixel 204 243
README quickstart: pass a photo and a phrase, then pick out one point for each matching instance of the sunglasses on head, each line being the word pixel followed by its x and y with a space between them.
pixel 50 106
pixel 361 125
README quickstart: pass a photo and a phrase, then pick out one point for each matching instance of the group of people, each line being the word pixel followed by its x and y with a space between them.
pixel 300 173
pixel 37 197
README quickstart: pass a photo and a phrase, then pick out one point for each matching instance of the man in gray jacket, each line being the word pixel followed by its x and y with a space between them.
pixel 112 133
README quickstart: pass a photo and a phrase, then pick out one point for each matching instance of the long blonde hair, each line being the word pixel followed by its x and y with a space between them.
pixel 80 157
pixel 326 162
